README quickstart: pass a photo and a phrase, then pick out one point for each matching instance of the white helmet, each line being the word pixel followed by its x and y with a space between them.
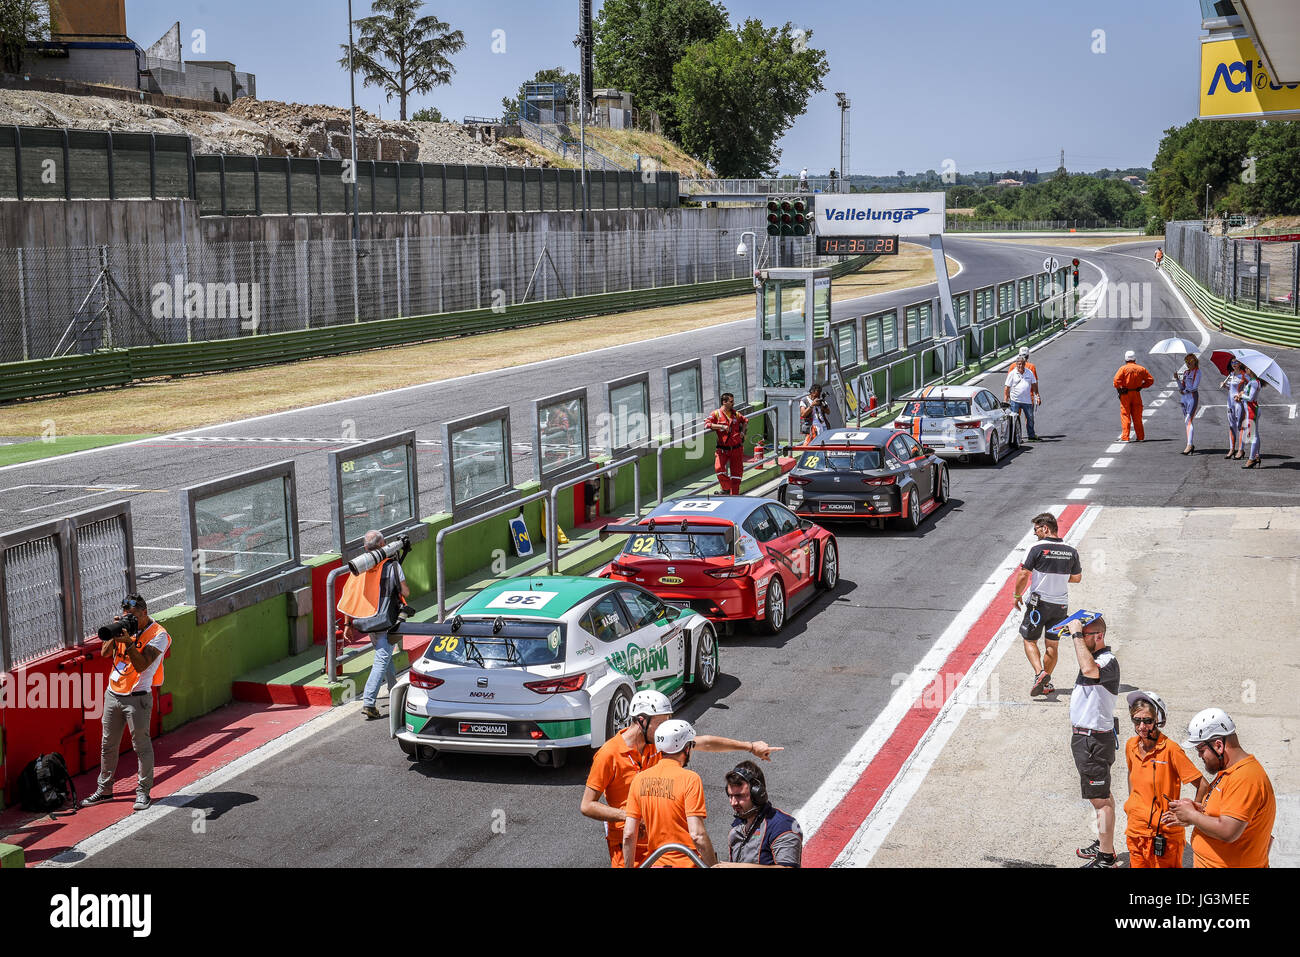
pixel 1208 724
pixel 673 736
pixel 1130 356
pixel 650 702
pixel 1024 351
pixel 1155 701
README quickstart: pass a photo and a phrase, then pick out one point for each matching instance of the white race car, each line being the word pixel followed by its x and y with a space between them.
pixel 958 421
pixel 531 666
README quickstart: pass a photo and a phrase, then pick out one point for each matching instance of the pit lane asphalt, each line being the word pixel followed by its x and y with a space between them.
pixel 348 796
pixel 151 473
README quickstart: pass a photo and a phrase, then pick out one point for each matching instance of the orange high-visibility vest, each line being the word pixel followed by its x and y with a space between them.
pixel 124 675
pixel 360 597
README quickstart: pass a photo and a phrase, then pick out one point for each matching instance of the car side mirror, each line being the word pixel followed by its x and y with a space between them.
pixel 1005 405
pixel 671 613
pixel 927 450
pixel 805 524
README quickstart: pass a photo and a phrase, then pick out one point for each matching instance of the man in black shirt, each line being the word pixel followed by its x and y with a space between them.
pixel 1048 569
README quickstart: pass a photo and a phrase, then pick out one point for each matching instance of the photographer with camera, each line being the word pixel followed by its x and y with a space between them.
pixel 373 602
pixel 137 644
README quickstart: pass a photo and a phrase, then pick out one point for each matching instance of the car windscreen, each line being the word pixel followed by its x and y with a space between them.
pixel 677 546
pixel 516 644
pixel 841 461
pixel 938 408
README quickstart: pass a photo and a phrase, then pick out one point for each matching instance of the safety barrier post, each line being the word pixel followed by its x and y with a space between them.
pixel 552 547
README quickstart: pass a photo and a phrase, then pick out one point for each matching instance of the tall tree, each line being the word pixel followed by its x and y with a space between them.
pixel 1190 157
pixel 736 95
pixel 21 22
pixel 638 43
pixel 1275 147
pixel 401 52
pixel 555 75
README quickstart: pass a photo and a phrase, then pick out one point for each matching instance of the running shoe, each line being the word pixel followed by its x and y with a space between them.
pixel 1090 851
pixel 1103 860
pixel 1040 683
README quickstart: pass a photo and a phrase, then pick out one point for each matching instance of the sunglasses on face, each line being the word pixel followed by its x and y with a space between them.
pixel 130 603
pixel 1144 720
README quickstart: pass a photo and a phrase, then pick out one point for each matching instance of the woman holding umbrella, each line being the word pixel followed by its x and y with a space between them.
pixel 1189 396
pixel 1233 382
pixel 1249 399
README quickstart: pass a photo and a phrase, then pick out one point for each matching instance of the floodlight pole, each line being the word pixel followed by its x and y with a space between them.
pixel 844 141
pixel 352 81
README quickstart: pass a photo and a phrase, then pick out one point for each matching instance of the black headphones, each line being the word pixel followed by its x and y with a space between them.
pixel 757 791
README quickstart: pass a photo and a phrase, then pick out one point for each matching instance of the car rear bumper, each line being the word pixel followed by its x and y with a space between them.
pixel 488 746
pixel 817 506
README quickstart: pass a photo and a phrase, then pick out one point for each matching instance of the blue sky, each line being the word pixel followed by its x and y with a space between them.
pixel 989 85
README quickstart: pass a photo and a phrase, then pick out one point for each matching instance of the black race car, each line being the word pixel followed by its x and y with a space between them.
pixel 866 473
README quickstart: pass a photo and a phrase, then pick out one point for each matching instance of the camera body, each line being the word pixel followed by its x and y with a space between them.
pixel 124 627
pixel 1158 845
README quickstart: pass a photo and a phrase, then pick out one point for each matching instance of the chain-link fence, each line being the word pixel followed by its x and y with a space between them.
pixel 61 301
pixel 1259 274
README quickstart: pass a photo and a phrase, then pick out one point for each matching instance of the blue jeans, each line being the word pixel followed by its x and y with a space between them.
pixel 382 669
pixel 1028 409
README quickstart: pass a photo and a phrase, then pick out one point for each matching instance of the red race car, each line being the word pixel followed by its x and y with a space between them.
pixel 730 558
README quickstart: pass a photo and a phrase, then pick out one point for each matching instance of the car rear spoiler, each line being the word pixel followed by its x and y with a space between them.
pixel 684 527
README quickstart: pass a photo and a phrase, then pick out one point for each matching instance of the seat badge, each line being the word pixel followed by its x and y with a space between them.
pixel 482 682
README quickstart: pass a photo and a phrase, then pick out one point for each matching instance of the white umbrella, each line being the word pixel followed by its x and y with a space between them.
pixel 1268 371
pixel 1174 347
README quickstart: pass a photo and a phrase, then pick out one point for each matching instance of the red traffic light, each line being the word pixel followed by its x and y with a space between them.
pixel 1076 263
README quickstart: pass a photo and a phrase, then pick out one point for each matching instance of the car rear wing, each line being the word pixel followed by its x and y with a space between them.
pixel 684 527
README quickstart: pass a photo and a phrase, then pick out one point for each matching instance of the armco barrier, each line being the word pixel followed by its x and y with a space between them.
pixel 1267 327
pixel 56 376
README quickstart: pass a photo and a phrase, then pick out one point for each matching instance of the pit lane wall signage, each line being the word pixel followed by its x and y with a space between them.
pixel 1235 85
pixel 880 214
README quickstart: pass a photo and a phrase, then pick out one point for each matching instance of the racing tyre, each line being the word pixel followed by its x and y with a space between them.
pixel 912 518
pixel 830 573
pixel 706 661
pixel 774 618
pixel 941 486
pixel 617 717
pixel 995 450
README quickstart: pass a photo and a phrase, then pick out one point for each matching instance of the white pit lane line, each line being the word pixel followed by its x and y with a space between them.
pixel 1103 463
pixel 875 829
pixel 1090 480
pixel 1078 493
pixel 1115 448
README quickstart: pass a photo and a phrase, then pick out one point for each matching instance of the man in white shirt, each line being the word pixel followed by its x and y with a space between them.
pixel 1019 391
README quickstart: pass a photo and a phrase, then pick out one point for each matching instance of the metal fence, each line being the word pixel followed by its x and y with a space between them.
pixel 61 580
pixel 961 224
pixel 60 301
pixel 43 163
pixel 1259 274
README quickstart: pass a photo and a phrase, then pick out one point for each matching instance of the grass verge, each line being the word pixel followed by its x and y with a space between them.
pixel 62 445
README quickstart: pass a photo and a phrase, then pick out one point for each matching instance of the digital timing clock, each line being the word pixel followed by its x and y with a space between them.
pixel 857 245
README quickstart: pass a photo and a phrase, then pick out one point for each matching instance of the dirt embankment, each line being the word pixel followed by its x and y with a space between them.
pixel 264 128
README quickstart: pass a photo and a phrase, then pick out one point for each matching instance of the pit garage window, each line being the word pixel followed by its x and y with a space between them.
pixel 606 620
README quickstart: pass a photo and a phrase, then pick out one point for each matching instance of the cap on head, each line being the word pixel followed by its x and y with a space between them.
pixel 1209 724
pixel 673 736
pixel 1151 698
pixel 1130 356
pixel 649 703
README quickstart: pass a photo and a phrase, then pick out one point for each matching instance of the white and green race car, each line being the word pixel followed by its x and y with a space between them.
pixel 531 666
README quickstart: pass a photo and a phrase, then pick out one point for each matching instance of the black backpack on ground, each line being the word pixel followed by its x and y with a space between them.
pixel 46 785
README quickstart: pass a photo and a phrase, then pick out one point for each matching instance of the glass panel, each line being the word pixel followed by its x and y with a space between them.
pixel 732 376
pixel 630 406
pixel 874 347
pixel 962 305
pixel 890 327
pixel 684 396
pixel 242 532
pixel 927 321
pixel 783 369
pixel 821 304
pixel 912 316
pixel 771 309
pixel 846 344
pixel 793 326
pixel 478 460
pixel 564 440
pixel 376 490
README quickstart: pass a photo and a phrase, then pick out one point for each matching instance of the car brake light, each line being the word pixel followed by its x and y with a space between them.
pixel 557 685
pixel 903 423
pixel 735 571
pixel 427 682
pixel 966 425
pixel 799 480
pixel 616 568
pixel 886 480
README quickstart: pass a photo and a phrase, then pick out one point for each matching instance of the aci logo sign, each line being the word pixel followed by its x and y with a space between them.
pixel 1234 84
pixel 880 214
